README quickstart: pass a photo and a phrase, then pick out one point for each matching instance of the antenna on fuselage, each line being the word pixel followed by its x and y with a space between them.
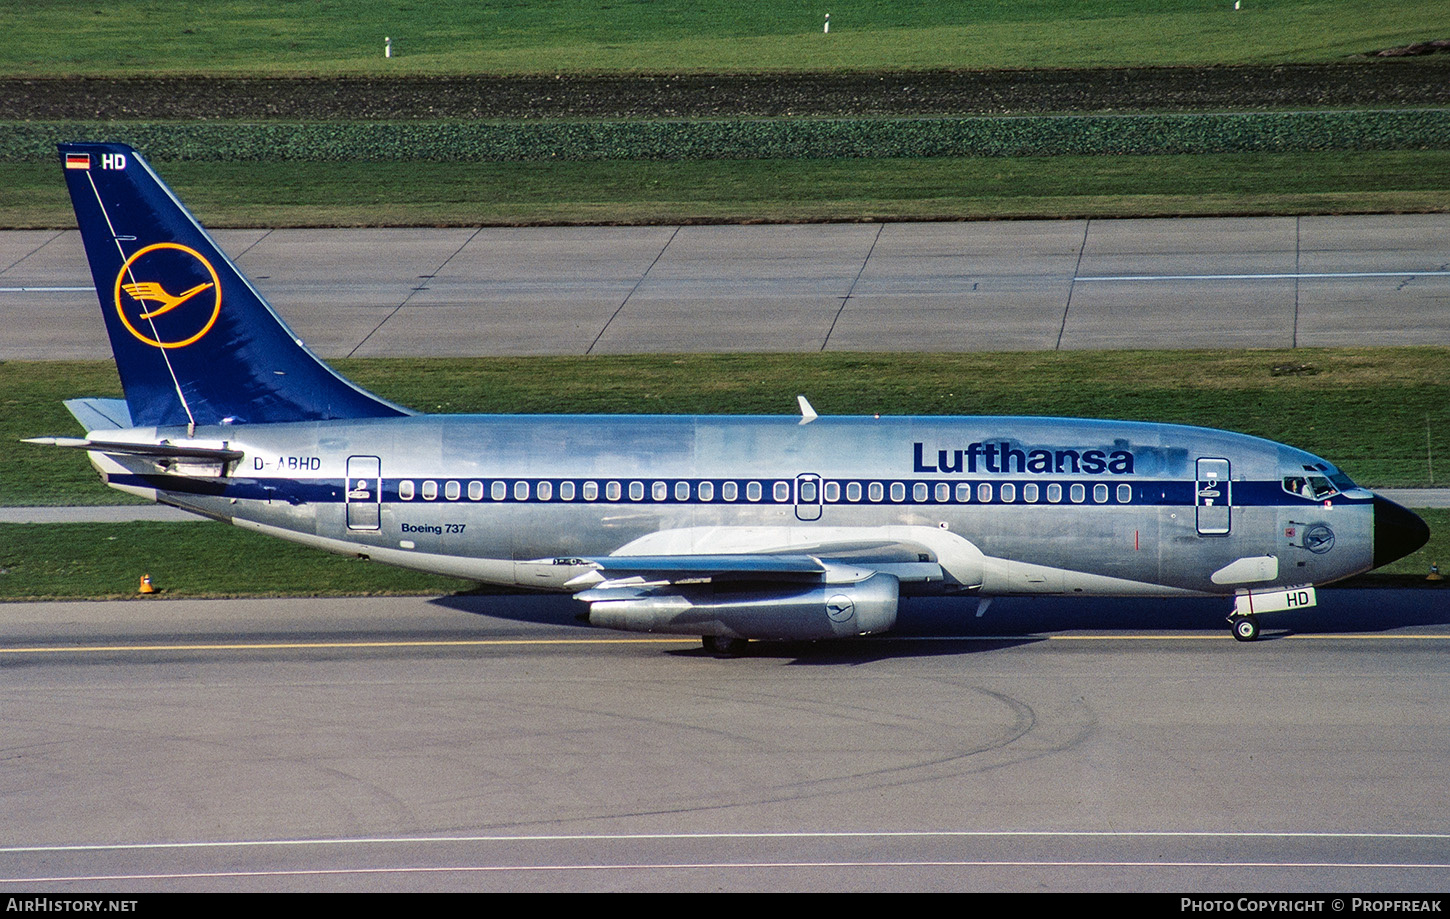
pixel 808 414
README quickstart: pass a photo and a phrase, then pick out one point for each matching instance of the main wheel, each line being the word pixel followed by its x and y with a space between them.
pixel 1246 628
pixel 724 647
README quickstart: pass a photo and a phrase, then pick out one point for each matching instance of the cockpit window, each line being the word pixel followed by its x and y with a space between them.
pixel 1310 487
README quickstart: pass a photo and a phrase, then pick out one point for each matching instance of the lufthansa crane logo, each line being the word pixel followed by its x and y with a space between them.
pixel 168 295
pixel 1319 539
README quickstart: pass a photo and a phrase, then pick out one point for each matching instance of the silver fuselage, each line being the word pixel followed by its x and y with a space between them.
pixel 1056 506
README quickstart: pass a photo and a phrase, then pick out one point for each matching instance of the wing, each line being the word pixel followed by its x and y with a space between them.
pixel 771 582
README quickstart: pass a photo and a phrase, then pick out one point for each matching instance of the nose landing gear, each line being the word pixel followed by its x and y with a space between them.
pixel 1245 628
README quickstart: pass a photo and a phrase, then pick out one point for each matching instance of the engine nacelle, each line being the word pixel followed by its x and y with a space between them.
pixel 727 611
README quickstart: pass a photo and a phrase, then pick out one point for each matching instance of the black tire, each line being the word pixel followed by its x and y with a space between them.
pixel 1246 628
pixel 724 647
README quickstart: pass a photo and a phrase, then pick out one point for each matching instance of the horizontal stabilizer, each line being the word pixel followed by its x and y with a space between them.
pixel 165 449
pixel 100 414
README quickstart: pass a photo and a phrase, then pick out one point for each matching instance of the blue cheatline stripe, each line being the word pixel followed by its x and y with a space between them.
pixel 961 492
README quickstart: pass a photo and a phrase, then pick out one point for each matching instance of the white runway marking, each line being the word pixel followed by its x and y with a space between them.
pixel 46 290
pixel 636 837
pixel 692 866
pixel 739 865
pixel 1266 277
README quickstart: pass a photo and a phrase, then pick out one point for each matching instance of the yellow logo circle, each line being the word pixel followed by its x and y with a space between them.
pixel 150 300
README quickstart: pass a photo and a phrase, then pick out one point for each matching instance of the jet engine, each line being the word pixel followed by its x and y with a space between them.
pixel 738 610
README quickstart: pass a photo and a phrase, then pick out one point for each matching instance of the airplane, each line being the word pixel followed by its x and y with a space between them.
pixel 730 528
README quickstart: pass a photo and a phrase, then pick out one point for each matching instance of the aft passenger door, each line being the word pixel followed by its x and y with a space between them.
pixel 1213 498
pixel 364 492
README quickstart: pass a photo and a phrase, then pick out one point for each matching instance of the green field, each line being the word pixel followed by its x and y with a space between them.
pixel 329 37
pixel 52 561
pixel 632 192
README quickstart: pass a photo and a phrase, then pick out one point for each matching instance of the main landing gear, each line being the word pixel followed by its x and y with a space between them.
pixel 1245 628
pixel 725 647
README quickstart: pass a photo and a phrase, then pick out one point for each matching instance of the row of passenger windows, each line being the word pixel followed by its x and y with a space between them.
pixel 811 491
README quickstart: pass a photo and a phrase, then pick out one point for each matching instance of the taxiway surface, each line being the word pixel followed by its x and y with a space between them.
pixel 492 743
pixel 1013 285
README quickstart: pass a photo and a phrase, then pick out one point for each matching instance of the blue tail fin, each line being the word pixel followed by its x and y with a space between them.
pixel 195 343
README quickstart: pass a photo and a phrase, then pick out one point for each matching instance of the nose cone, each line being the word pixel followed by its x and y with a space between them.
pixel 1397 532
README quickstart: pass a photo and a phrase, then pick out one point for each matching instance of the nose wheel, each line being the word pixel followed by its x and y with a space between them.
pixel 1245 628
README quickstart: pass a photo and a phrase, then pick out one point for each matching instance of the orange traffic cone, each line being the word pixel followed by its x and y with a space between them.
pixel 145 587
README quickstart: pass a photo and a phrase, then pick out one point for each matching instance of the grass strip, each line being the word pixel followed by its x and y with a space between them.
pixel 104 561
pixel 321 37
pixel 638 192
pixel 779 138
pixel 1382 414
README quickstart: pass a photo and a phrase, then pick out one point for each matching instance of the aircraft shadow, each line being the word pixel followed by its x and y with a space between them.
pixel 953 626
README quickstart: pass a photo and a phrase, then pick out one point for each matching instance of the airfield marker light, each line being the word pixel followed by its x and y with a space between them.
pixel 145 587
pixel 387 47
pixel 1435 574
pixel 828 24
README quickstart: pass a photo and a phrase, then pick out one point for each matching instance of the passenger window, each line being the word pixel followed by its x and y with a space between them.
pixel 660 491
pixel 475 491
pixel 782 491
pixel 405 490
pixel 1125 494
pixel 612 491
pixel 1009 492
pixel 1078 493
pixel 1029 493
pixel 566 491
pixel 964 493
pixel 729 492
pixel 1100 494
pixel 919 492
pixel 707 491
pixel 943 492
pixel 591 491
pixel 984 493
pixel 1054 493
pixel 752 491
pixel 833 492
pixel 430 490
pixel 498 491
pixel 853 491
pixel 682 491
pixel 874 492
pixel 898 491
pixel 521 491
pixel 636 491
pixel 451 491
pixel 546 491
